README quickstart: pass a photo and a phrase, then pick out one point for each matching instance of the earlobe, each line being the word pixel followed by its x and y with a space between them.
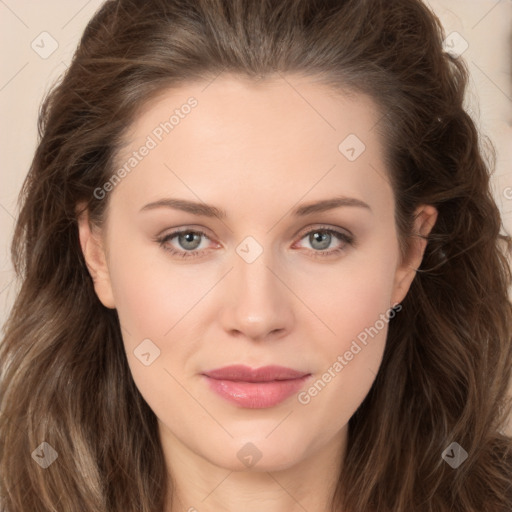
pixel 95 258
pixel 425 219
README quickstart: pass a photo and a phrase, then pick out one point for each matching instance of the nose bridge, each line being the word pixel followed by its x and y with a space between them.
pixel 259 303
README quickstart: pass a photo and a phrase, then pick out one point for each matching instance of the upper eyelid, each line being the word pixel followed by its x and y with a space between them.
pixel 205 231
pixel 322 227
pixel 301 233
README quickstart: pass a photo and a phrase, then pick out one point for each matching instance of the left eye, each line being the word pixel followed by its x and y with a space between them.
pixel 320 239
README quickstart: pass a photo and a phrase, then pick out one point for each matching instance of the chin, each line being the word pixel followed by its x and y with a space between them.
pixel 255 456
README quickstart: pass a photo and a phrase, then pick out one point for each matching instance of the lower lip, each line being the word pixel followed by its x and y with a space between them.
pixel 256 395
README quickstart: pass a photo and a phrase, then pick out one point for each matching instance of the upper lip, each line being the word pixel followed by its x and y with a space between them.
pixel 264 374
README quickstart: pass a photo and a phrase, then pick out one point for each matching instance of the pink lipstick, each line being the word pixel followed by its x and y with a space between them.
pixel 255 388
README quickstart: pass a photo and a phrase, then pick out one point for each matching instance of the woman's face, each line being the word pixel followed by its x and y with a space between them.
pixel 289 257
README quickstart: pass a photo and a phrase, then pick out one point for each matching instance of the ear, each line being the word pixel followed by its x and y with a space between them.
pixel 95 256
pixel 425 218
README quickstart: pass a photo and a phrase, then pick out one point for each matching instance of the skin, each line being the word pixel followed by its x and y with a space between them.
pixel 257 150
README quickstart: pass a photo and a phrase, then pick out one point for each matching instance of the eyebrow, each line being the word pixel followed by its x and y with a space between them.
pixel 206 210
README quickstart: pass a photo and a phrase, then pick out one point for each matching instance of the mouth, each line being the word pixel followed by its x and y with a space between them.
pixel 257 388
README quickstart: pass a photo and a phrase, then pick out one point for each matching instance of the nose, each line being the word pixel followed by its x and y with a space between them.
pixel 257 305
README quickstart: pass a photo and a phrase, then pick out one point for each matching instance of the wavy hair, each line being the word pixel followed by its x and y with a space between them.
pixel 447 364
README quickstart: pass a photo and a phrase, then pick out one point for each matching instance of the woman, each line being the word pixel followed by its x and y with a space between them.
pixel 261 268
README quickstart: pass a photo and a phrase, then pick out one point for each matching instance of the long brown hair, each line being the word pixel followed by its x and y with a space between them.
pixel 447 364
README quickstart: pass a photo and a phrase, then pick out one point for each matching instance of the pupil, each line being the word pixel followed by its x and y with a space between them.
pixel 189 239
pixel 322 238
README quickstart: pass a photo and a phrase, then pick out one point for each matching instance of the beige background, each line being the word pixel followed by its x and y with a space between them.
pixel 38 40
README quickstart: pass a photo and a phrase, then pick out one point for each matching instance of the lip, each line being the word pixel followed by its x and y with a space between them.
pixel 256 388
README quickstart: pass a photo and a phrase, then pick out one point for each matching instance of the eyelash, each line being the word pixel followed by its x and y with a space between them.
pixel 344 237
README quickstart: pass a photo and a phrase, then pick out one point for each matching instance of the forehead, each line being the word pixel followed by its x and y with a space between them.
pixel 281 138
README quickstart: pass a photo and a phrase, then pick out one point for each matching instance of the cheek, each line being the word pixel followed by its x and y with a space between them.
pixel 150 294
pixel 144 305
pixel 353 294
pixel 161 301
pixel 152 300
pixel 355 304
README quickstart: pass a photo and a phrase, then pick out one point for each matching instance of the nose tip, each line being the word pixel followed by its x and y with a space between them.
pixel 243 321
